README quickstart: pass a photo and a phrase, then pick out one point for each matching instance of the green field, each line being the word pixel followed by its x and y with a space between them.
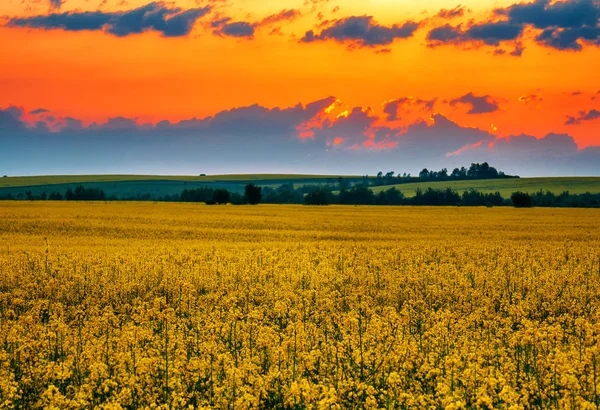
pixel 127 186
pixel 10 182
pixel 130 186
pixel 557 185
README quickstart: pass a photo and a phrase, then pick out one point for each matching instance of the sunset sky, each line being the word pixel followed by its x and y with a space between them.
pixel 334 86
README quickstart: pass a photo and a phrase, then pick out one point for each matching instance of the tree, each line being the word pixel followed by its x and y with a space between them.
pixel 521 200
pixel 55 196
pixel 424 174
pixel 318 196
pixel 253 194
pixel 221 196
pixel 202 194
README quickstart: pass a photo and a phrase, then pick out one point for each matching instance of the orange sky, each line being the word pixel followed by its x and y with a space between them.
pixel 92 75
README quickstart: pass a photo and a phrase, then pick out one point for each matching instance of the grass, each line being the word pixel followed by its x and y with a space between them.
pixel 557 185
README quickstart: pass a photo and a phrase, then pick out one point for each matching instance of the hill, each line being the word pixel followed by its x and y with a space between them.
pixel 557 185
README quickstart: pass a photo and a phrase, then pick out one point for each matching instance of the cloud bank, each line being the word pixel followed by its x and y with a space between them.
pixel 323 136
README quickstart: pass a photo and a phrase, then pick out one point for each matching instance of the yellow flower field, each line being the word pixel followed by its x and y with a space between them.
pixel 141 305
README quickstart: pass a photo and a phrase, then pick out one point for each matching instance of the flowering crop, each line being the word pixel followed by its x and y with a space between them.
pixel 138 305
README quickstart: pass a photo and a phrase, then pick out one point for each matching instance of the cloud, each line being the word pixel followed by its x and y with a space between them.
pixel 491 34
pixel 38 111
pixel 583 116
pixel 449 14
pixel 10 119
pixel 224 26
pixel 569 38
pixel 362 31
pixel 478 105
pixel 236 29
pixel 562 14
pixel 56 4
pixel 562 25
pixel 565 25
pixel 284 15
pixel 392 107
pixel 531 99
pixel 169 22
pixel 255 138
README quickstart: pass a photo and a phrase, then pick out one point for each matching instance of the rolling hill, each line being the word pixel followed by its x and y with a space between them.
pixel 557 185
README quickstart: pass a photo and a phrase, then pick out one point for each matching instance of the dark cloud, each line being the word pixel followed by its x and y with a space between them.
pixel 565 25
pixel 284 15
pixel 478 105
pixel 562 14
pixel 393 107
pixel 362 31
pixel 38 111
pixel 449 14
pixel 56 4
pixel 236 29
pixel 487 33
pixel 169 22
pixel 224 26
pixel 583 116
pixel 10 119
pixel 569 38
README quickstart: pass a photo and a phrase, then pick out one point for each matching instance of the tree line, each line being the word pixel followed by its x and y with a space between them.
pixel 330 194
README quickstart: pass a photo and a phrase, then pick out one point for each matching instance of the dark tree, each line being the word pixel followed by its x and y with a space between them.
pixel 221 196
pixel 253 194
pixel 318 196
pixel 521 200
pixel 358 195
pixel 202 194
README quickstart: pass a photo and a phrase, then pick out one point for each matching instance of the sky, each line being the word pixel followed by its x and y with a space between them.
pixel 306 86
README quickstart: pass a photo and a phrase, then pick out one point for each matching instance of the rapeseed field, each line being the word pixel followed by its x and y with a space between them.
pixel 174 306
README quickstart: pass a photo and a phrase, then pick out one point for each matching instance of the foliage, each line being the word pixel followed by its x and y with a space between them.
pixel 318 196
pixel 252 194
pixel 521 200
pixel 203 194
pixel 84 194
pixel 221 196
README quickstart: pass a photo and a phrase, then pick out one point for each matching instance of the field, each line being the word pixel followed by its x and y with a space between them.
pixel 155 185
pixel 130 186
pixel 141 305
pixel 556 185
pixel 85 179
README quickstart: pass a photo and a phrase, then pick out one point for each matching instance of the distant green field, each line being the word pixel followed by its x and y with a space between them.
pixel 80 179
pixel 575 185
pixel 129 186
